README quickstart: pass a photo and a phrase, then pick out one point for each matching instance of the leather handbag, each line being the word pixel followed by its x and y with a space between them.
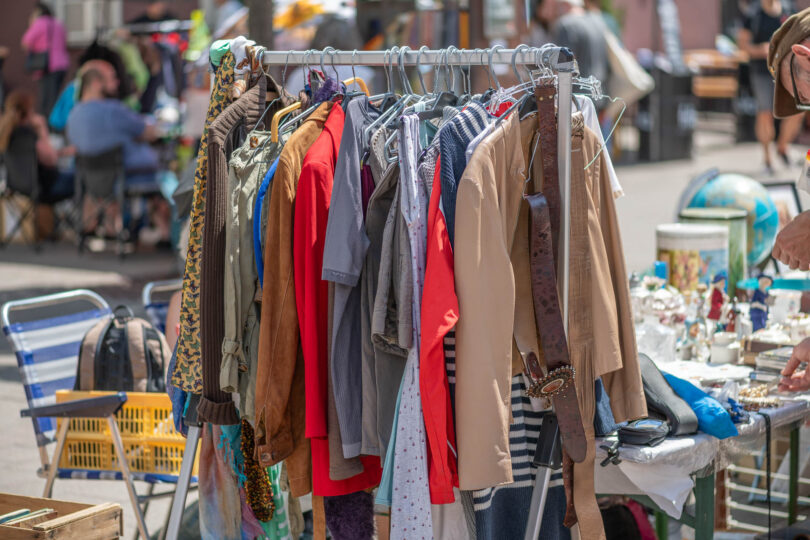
pixel 664 402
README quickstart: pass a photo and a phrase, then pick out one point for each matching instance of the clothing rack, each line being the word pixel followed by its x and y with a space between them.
pixel 558 59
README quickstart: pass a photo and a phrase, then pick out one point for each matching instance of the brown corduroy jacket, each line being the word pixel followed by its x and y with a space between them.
pixel 280 376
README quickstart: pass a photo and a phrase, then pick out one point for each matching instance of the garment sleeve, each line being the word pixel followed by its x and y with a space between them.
pixel 33 33
pixel 346 241
pixel 438 316
pixel 624 386
pixel 748 22
pixel 128 121
pixel 311 293
pixel 232 340
pixel 279 327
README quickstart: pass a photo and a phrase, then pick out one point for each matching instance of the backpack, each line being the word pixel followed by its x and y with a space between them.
pixel 123 353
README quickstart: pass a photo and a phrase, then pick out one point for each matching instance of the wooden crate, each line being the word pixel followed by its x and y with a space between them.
pixel 74 520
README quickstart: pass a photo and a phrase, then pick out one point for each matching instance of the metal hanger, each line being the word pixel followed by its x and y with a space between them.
pixel 355 79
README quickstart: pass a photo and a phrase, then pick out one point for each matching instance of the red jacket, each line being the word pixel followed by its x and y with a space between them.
pixel 439 316
pixel 312 303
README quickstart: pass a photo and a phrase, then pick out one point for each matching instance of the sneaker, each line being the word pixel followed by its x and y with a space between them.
pixel 767 170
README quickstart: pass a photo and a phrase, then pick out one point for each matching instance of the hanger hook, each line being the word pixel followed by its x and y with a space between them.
pixel 517 51
pixel 451 50
pixel 486 66
pixel 469 71
pixel 422 49
pixel 385 70
pixel 448 75
pixel 323 55
pixel 354 53
pixel 332 54
pixel 406 84
pixel 492 51
pixel 436 66
pixel 284 71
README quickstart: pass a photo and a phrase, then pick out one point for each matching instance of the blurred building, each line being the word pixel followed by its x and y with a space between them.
pixel 82 19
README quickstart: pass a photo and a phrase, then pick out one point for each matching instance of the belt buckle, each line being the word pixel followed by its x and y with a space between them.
pixel 552 384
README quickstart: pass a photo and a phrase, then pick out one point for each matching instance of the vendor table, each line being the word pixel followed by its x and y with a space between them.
pixel 660 477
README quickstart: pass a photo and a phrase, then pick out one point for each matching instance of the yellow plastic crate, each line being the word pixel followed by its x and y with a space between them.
pixel 151 443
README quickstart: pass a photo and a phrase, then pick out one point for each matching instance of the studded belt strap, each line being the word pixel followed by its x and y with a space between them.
pixel 558 384
pixel 547 129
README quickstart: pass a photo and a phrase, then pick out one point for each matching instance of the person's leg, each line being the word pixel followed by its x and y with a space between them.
pixel 765 133
pixel 788 132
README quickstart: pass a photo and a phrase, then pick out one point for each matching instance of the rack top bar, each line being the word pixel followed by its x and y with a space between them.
pixel 558 58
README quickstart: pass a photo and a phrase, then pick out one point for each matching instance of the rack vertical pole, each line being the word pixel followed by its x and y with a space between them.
pixel 564 96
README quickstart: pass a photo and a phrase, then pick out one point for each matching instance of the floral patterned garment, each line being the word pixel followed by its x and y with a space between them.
pixel 187 373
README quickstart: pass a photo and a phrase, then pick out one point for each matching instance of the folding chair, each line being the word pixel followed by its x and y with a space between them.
pixel 20 160
pixel 102 177
pixel 156 296
pixel 45 333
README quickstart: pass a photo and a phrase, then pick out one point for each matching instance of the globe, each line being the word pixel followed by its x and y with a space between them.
pixel 744 193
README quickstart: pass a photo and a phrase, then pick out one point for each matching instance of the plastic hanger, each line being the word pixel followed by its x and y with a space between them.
pixel 282 91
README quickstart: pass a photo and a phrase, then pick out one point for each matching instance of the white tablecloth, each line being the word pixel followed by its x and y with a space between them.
pixel 663 472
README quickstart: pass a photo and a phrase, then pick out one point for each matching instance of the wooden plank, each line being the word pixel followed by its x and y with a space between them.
pixel 9 503
pixel 34 520
pixel 101 526
pixel 77 516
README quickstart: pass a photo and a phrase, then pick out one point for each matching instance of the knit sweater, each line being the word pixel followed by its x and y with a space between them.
pixel 241 116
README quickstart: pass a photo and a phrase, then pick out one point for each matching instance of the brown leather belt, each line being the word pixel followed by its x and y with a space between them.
pixel 547 128
pixel 558 384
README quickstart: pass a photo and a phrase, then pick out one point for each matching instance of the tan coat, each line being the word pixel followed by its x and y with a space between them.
pixel 487 205
pixel 493 283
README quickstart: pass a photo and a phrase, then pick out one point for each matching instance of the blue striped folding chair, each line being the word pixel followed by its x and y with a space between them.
pixel 156 296
pixel 46 333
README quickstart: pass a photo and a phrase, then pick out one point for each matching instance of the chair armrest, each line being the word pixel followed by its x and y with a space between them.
pixel 96 407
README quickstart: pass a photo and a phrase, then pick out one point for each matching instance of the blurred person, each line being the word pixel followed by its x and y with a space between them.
pixel 220 19
pixel 19 113
pixel 46 34
pixel 595 7
pixel 57 120
pixel 540 24
pixel 789 63
pixel 584 34
pixel 100 122
pixel 156 11
pixel 764 18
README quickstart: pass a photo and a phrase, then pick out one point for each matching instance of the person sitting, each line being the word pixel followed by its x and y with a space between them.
pixel 19 113
pixel 54 185
pixel 100 122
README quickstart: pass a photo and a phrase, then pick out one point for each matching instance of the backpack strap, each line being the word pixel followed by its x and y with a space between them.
pixel 88 352
pixel 137 354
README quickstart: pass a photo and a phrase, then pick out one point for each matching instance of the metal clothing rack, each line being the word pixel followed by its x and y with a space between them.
pixel 558 59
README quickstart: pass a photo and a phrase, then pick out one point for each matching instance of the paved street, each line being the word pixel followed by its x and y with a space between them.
pixel 651 191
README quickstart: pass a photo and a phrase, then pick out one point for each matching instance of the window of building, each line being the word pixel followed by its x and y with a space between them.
pixel 83 18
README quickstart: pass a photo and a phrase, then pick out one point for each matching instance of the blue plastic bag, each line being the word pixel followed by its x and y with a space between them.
pixel 712 417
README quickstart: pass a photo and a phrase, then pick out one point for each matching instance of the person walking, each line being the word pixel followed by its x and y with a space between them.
pixel 762 21
pixel 46 36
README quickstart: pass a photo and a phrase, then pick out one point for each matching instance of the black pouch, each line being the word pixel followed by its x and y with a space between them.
pixel 646 432
pixel 664 402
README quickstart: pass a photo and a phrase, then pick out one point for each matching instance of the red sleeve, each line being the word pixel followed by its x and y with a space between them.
pixel 439 316
pixel 311 292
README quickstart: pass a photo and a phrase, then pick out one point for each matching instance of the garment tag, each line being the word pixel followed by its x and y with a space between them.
pixel 803 183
